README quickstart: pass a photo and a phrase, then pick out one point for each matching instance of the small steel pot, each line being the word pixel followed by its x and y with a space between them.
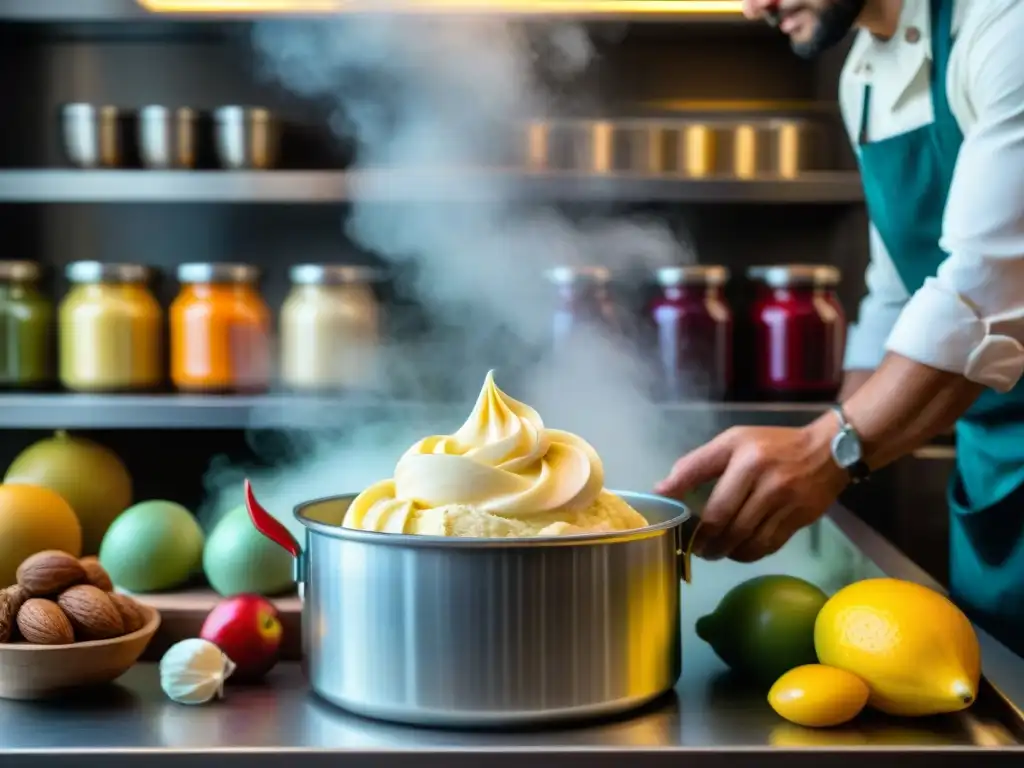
pixel 246 137
pixel 167 137
pixel 458 632
pixel 96 136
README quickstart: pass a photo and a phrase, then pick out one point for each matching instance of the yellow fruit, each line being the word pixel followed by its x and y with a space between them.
pixel 33 519
pixel 818 696
pixel 917 651
pixel 87 475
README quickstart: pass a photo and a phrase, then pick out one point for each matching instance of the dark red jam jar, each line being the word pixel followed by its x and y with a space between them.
pixel 583 303
pixel 694 326
pixel 799 331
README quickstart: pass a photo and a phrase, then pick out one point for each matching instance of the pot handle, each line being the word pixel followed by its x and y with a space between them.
pixel 687 535
pixel 269 526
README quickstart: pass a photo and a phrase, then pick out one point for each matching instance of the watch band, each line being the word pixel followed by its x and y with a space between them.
pixel 858 470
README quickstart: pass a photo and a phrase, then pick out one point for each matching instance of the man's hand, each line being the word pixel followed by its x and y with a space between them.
pixel 772 481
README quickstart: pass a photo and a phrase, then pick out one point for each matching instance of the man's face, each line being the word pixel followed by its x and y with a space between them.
pixel 814 26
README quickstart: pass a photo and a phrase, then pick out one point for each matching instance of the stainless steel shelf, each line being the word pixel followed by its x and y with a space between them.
pixel 134 186
pixel 171 411
pixel 64 11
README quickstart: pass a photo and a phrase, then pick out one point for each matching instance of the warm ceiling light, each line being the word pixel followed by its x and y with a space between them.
pixel 520 7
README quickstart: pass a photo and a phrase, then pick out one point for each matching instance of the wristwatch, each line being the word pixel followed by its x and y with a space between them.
pixel 847 451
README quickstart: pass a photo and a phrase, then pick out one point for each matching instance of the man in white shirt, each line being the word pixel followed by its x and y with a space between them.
pixel 933 98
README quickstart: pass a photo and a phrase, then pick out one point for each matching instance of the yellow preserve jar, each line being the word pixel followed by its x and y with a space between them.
pixel 111 329
pixel 330 328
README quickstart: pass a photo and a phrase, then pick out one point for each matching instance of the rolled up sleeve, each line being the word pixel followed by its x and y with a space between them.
pixel 878 311
pixel 969 318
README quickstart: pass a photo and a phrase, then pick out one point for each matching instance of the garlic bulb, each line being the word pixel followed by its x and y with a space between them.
pixel 193 671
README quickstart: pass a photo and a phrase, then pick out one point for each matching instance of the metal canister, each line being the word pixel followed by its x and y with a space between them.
pixel 330 328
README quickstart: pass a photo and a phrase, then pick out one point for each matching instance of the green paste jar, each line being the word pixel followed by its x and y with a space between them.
pixel 26 328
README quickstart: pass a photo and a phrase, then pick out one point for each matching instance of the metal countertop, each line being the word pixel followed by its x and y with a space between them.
pixel 710 719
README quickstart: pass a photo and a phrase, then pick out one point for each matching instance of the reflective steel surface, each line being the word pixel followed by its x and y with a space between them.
pixel 466 632
pixel 709 718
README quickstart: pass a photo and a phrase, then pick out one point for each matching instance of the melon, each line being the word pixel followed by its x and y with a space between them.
pixel 33 519
pixel 89 476
pixel 152 546
pixel 239 559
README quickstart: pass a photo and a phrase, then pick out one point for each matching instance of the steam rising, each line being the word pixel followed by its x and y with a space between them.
pixel 418 95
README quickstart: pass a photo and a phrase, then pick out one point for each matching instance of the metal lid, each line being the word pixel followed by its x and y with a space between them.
pixel 673 277
pixel 98 272
pixel 571 275
pixel 208 272
pixel 787 275
pixel 19 271
pixel 333 274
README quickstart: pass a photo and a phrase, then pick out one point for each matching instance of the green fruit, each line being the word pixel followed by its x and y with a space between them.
pixel 239 559
pixel 764 627
pixel 151 546
pixel 87 475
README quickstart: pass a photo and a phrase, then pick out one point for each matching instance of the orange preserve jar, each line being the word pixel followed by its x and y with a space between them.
pixel 220 330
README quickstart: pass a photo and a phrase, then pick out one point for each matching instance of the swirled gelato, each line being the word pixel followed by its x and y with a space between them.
pixel 502 474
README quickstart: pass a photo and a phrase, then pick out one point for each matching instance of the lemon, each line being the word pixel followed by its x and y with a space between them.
pixel 917 651
pixel 818 696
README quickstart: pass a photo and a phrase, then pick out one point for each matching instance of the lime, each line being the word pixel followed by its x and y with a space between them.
pixel 764 627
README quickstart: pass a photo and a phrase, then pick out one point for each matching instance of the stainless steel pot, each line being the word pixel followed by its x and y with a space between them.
pixel 488 632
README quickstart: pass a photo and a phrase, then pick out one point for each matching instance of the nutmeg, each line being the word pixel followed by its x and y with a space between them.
pixel 8 616
pixel 49 572
pixel 92 612
pixel 133 615
pixel 42 621
pixel 96 574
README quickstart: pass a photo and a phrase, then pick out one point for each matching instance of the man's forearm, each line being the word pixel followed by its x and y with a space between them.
pixel 900 408
pixel 852 381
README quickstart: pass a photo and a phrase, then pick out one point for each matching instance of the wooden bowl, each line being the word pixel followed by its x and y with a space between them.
pixel 29 671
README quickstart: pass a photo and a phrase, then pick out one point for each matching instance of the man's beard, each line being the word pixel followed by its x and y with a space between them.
pixel 834 22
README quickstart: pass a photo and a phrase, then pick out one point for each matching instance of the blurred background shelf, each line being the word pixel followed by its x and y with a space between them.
pixel 132 186
pixel 172 411
pixel 63 11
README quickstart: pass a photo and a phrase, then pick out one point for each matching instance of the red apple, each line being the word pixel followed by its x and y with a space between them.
pixel 248 630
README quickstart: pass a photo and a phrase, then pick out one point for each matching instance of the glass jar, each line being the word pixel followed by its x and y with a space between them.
pixel 799 331
pixel 26 328
pixel 220 330
pixel 583 301
pixel 693 323
pixel 111 329
pixel 330 328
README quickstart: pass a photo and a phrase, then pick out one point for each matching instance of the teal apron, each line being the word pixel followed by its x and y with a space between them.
pixel 906 182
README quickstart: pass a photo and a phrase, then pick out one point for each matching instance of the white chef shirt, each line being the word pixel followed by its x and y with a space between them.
pixel 969 318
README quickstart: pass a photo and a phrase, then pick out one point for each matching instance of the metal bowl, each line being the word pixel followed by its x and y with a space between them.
pixel 167 137
pixel 95 136
pixel 488 632
pixel 246 137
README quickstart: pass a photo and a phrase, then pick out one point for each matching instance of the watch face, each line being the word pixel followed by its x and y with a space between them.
pixel 846 449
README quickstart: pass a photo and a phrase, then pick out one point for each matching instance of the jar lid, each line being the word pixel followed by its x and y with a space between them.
pixel 209 272
pixel 692 274
pixel 787 275
pixel 19 271
pixel 334 274
pixel 98 272
pixel 571 275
